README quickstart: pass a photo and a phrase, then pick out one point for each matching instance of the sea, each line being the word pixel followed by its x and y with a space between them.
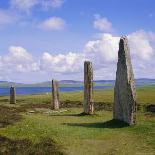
pixel 40 90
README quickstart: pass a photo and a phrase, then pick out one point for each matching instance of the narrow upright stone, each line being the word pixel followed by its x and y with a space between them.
pixel 124 108
pixel 12 95
pixel 88 88
pixel 55 95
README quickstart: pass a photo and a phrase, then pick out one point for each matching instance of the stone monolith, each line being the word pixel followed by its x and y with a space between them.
pixel 88 88
pixel 12 95
pixel 55 95
pixel 124 108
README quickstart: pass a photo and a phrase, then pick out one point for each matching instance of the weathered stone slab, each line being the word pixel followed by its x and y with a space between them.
pixel 55 95
pixel 12 95
pixel 124 108
pixel 88 88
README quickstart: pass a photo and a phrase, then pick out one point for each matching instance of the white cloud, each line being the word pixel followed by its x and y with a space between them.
pixel 53 23
pixel 23 5
pixel 102 24
pixel 18 60
pixel 140 44
pixel 69 63
pixel 102 52
pixel 19 53
pixel 27 5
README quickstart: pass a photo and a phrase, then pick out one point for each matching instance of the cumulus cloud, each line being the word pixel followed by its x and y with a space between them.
pixel 17 60
pixel 20 62
pixel 27 5
pixel 53 24
pixel 140 44
pixel 103 24
pixel 69 63
pixel 105 49
pixel 102 52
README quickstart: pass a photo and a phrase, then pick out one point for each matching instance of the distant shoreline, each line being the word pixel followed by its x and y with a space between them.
pixel 44 90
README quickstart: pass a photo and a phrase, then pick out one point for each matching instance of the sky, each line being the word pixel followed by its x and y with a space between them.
pixel 42 40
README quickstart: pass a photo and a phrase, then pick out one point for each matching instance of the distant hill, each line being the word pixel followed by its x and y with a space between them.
pixel 72 83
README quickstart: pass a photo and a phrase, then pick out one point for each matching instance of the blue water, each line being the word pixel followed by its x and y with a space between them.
pixel 38 90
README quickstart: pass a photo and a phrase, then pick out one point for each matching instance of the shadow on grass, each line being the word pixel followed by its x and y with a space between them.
pixel 108 124
pixel 45 147
pixel 77 115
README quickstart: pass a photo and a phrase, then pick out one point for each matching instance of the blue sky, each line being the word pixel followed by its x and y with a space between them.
pixel 51 38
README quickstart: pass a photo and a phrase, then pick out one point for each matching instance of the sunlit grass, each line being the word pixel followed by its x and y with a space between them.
pixel 96 134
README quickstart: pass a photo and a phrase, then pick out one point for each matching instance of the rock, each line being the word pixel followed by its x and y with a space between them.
pixel 54 111
pixel 124 108
pixel 12 95
pixel 150 108
pixel 88 88
pixel 32 111
pixel 55 95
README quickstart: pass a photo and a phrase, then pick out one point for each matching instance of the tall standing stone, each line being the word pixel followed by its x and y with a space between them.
pixel 124 108
pixel 55 95
pixel 88 88
pixel 12 95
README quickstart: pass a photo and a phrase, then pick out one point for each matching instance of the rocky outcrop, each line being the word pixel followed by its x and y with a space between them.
pixel 124 108
pixel 55 95
pixel 12 95
pixel 88 88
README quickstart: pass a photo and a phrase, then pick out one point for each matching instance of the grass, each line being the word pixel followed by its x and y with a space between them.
pixel 31 128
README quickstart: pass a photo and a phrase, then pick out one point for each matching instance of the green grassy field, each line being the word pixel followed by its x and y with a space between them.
pixel 30 127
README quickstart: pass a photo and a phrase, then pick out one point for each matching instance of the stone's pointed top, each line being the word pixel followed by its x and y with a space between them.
pixel 123 44
pixel 87 61
pixel 124 37
pixel 12 86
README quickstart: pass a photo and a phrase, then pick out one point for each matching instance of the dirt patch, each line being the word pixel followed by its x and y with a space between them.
pixel 151 108
pixel 70 104
pixel 78 104
pixel 104 106
pixel 149 114
pixel 4 100
pixel 17 147
pixel 9 115
pixel 33 106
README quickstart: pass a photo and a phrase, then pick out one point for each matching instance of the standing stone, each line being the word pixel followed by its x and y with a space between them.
pixel 55 95
pixel 88 88
pixel 12 95
pixel 124 108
